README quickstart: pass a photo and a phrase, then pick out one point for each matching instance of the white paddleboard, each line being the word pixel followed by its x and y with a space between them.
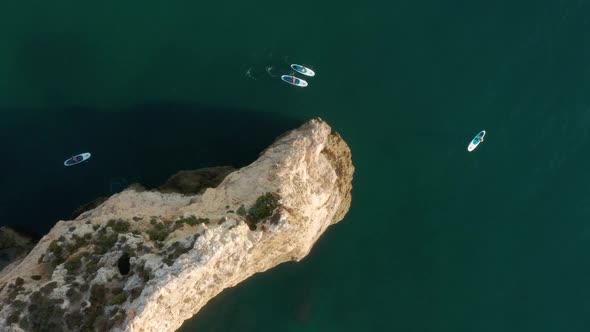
pixel 294 81
pixel 77 159
pixel 303 70
pixel 476 140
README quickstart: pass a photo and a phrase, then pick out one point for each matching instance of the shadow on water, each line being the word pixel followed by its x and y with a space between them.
pixel 252 306
pixel 145 144
pixel 117 184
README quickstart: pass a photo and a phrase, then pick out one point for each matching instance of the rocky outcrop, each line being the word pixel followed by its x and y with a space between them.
pixel 88 206
pixel 195 181
pixel 13 247
pixel 148 260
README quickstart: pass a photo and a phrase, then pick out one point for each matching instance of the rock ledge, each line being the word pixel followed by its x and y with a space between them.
pixel 149 260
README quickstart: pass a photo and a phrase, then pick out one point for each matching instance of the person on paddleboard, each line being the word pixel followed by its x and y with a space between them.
pixel 476 141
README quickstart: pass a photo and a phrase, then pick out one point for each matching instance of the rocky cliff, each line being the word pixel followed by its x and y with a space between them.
pixel 148 260
pixel 13 247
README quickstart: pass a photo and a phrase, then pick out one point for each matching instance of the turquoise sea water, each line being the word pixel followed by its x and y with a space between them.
pixel 437 239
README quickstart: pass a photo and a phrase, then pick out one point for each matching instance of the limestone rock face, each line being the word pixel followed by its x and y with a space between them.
pixel 147 260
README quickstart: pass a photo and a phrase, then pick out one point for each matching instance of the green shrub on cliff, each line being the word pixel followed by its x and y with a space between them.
pixel 105 242
pixel 175 250
pixel 19 281
pixel 74 320
pixel 97 294
pixel 73 264
pixel 24 323
pixel 14 289
pixel 91 264
pixel 93 318
pixel 263 207
pixel 44 314
pixel 73 295
pixel 48 288
pixel 57 251
pixel 242 211
pixel 192 220
pixel 119 225
pixel 19 305
pixel 119 298
pixel 77 243
pixel 178 224
pixel 135 292
pixel 158 232
pixel 12 318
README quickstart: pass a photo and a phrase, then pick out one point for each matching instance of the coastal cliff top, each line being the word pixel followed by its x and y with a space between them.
pixel 148 260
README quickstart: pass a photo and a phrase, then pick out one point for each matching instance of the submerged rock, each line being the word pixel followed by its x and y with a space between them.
pixel 148 260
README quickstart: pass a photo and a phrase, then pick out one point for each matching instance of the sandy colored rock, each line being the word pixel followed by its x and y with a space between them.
pixel 183 249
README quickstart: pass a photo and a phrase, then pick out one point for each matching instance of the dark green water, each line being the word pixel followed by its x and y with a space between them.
pixel 437 239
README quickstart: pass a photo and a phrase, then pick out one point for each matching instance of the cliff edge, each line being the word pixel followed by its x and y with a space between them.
pixel 149 260
pixel 13 247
